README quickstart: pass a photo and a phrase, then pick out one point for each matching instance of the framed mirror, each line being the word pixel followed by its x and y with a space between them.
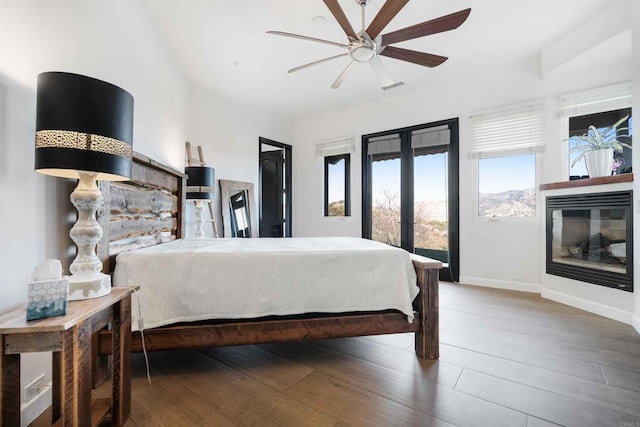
pixel 238 211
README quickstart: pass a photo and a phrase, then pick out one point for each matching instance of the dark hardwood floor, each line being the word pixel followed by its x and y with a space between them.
pixel 506 359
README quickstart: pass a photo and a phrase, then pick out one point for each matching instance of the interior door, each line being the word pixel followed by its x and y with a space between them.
pixel 275 182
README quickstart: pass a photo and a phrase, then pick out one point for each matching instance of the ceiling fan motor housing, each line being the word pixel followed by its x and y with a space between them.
pixel 362 52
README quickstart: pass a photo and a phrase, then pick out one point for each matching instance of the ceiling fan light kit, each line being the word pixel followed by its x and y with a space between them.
pixel 367 45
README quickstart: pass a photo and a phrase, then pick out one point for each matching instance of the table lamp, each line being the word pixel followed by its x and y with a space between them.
pixel 84 130
pixel 200 184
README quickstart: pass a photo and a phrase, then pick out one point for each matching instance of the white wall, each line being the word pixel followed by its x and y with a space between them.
pixel 502 253
pixel 112 41
pixel 228 132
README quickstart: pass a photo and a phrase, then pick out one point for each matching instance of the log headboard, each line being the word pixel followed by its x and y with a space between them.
pixel 145 211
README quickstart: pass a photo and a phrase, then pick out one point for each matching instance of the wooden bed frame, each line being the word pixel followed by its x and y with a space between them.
pixel 125 218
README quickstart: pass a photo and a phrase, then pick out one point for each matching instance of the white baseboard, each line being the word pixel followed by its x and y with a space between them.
pixel 500 284
pixel 35 407
pixel 590 306
pixel 635 321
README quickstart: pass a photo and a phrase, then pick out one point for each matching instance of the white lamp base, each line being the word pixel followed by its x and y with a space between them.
pixel 87 280
pixel 89 287
pixel 199 219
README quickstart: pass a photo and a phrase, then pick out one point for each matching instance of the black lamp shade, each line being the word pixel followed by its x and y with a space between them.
pixel 200 182
pixel 83 124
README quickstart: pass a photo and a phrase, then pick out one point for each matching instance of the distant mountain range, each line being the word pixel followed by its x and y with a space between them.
pixel 505 204
pixel 508 203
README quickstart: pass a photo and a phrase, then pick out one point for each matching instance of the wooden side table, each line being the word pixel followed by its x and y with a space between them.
pixel 69 337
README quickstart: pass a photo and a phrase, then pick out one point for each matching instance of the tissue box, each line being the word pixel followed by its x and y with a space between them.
pixel 47 298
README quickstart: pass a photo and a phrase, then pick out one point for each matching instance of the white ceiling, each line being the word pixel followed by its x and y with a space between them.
pixel 222 45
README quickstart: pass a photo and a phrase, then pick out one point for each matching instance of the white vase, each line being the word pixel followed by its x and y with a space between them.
pixel 599 162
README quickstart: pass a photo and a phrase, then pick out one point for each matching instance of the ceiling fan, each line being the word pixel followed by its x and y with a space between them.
pixel 367 44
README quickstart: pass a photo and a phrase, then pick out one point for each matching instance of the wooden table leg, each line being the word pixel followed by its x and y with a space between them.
pixel 76 375
pixel 9 387
pixel 121 363
pixel 56 389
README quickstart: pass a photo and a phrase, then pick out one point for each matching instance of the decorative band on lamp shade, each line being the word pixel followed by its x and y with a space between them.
pixel 200 182
pixel 83 124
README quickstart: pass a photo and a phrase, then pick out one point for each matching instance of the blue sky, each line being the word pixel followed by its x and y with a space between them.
pixel 497 175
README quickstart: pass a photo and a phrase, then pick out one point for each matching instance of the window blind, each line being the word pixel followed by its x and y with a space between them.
pixel 386 147
pixel 384 144
pixel 430 137
pixel 506 132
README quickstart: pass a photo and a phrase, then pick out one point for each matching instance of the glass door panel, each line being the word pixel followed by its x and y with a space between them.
pixel 430 212
pixel 385 194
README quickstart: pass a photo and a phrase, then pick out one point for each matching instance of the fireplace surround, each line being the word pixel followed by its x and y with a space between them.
pixel 589 238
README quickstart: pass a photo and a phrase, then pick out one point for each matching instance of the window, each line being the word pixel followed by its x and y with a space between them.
pixel 505 144
pixel 578 125
pixel 601 107
pixel 506 186
pixel 336 185
pixel 337 174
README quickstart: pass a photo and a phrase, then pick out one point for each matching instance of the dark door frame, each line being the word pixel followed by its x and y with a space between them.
pixel 406 189
pixel 287 179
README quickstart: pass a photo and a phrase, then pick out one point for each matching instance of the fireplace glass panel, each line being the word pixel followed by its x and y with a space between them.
pixel 589 238
pixel 593 238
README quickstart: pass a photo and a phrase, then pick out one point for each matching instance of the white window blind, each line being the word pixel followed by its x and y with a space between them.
pixel 384 144
pixel 514 131
pixel 335 147
pixel 608 98
pixel 430 137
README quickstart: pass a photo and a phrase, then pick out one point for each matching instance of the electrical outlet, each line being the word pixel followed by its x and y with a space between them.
pixel 518 278
pixel 34 388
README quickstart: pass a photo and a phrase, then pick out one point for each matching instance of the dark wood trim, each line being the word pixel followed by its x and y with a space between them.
pixel 613 179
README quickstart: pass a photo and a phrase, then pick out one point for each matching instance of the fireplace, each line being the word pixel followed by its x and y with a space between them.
pixel 589 238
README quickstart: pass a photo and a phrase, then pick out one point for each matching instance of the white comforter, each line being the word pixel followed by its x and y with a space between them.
pixel 200 279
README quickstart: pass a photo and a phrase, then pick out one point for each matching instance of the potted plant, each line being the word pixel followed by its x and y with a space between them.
pixel 597 147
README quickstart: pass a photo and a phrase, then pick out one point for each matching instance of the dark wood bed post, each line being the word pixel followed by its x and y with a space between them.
pixel 427 339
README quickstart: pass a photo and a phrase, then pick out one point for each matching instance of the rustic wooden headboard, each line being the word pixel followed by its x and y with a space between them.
pixel 145 211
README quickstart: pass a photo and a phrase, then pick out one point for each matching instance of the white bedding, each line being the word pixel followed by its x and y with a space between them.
pixel 201 279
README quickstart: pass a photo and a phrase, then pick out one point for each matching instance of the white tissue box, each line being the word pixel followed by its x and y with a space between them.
pixel 47 298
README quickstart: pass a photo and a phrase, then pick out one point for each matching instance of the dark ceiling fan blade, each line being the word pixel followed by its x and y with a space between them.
pixel 420 58
pixel 389 10
pixel 438 25
pixel 311 39
pixel 302 67
pixel 338 13
pixel 342 76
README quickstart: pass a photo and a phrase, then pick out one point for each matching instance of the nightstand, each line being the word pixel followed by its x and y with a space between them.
pixel 69 337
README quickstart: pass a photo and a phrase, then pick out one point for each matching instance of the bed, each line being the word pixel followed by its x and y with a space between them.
pixel 143 222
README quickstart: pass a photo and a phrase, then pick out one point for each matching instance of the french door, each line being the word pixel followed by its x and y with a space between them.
pixel 410 191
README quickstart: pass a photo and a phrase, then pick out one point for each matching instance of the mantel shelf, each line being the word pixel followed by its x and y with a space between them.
pixel 613 179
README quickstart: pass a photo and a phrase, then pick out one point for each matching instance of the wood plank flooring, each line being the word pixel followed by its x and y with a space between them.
pixel 506 359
